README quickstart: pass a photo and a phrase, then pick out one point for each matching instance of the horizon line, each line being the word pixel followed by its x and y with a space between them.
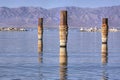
pixel 58 7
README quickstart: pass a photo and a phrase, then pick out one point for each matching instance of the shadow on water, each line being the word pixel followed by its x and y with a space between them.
pixel 63 63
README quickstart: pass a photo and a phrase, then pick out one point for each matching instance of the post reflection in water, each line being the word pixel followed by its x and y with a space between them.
pixel 63 63
pixel 104 60
pixel 40 50
pixel 104 74
pixel 104 54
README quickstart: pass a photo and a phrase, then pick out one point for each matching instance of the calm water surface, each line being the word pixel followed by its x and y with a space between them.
pixel 20 59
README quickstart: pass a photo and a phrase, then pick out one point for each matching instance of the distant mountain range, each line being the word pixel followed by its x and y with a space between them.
pixel 77 17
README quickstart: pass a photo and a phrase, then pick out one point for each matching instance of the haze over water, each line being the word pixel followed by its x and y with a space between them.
pixel 19 58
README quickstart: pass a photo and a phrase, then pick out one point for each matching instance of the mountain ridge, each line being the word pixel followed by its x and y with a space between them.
pixel 77 17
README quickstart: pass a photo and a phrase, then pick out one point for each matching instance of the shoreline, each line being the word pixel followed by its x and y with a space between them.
pixel 12 29
pixel 98 30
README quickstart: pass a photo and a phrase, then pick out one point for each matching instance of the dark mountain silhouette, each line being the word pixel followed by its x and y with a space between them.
pixel 77 17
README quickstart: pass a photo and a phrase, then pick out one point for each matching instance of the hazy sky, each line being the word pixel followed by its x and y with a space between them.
pixel 58 3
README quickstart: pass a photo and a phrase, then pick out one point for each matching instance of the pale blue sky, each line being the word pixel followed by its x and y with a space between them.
pixel 58 3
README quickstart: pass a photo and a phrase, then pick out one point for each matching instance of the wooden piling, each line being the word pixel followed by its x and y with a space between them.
pixel 104 30
pixel 104 34
pixel 40 28
pixel 63 29
pixel 63 63
pixel 40 50
pixel 40 46
pixel 104 53
pixel 63 32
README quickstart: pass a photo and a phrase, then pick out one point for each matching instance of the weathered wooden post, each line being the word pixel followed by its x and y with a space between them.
pixel 63 29
pixel 40 46
pixel 63 63
pixel 40 28
pixel 104 53
pixel 40 50
pixel 104 30
pixel 40 38
pixel 63 33
pixel 104 34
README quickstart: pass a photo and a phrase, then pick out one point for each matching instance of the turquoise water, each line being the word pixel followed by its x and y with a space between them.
pixel 19 57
